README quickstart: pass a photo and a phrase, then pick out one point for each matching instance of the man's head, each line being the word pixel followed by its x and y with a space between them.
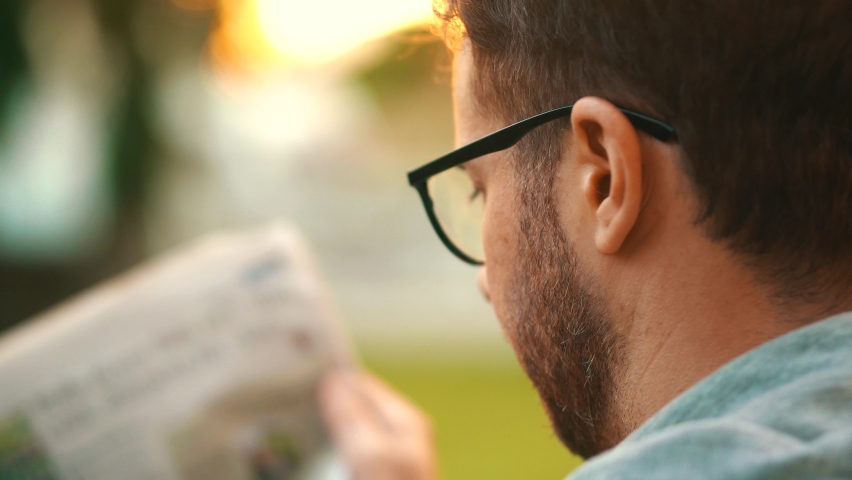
pixel 593 230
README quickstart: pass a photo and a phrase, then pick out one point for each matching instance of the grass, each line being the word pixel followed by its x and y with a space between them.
pixel 489 422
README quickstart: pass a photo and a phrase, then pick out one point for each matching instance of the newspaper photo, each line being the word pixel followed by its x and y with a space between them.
pixel 200 365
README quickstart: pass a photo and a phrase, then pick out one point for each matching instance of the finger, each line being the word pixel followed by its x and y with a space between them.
pixel 359 404
pixel 378 432
pixel 342 403
pixel 397 412
pixel 361 395
pixel 350 418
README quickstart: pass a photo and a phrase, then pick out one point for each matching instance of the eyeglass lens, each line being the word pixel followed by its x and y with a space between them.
pixel 460 209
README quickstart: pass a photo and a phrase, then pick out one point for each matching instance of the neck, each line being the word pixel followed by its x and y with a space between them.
pixel 687 320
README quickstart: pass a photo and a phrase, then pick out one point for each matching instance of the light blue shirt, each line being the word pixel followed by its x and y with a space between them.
pixel 781 411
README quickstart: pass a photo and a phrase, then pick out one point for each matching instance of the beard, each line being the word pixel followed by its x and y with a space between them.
pixel 562 333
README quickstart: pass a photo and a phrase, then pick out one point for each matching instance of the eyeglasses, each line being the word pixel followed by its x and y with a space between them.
pixel 456 209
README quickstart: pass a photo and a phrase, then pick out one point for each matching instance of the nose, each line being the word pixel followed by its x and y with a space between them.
pixel 482 283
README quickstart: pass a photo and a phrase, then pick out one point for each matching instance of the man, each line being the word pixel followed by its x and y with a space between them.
pixel 669 249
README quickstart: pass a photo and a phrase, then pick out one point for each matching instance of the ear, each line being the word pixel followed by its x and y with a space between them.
pixel 609 156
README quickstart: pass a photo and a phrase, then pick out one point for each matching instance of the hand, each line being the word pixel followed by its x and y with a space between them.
pixel 380 434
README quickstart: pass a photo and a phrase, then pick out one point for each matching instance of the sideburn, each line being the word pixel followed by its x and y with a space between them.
pixel 560 329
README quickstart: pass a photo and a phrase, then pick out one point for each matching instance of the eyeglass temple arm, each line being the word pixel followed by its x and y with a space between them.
pixel 511 135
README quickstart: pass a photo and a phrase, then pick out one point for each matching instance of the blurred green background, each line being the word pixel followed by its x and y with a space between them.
pixel 488 419
pixel 129 127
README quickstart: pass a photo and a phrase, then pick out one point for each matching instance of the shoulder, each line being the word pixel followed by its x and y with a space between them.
pixel 782 411
pixel 720 450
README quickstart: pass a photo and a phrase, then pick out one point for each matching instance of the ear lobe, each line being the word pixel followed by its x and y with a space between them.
pixel 607 148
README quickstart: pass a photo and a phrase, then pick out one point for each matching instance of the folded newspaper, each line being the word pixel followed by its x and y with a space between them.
pixel 202 365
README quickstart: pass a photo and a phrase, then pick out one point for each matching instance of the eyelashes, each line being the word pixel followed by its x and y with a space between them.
pixel 477 191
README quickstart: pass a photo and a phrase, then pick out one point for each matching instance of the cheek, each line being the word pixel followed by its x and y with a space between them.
pixel 500 240
pixel 577 218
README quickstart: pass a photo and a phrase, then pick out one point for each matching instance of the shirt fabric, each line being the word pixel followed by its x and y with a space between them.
pixel 781 411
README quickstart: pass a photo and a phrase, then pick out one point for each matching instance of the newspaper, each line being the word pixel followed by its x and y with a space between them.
pixel 202 365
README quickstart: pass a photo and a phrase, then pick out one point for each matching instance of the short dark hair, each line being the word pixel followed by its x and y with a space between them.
pixel 760 93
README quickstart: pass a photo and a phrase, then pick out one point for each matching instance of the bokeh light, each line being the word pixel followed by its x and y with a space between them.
pixel 314 31
pixel 276 32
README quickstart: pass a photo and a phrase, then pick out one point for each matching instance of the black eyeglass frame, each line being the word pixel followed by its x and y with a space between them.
pixel 504 139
